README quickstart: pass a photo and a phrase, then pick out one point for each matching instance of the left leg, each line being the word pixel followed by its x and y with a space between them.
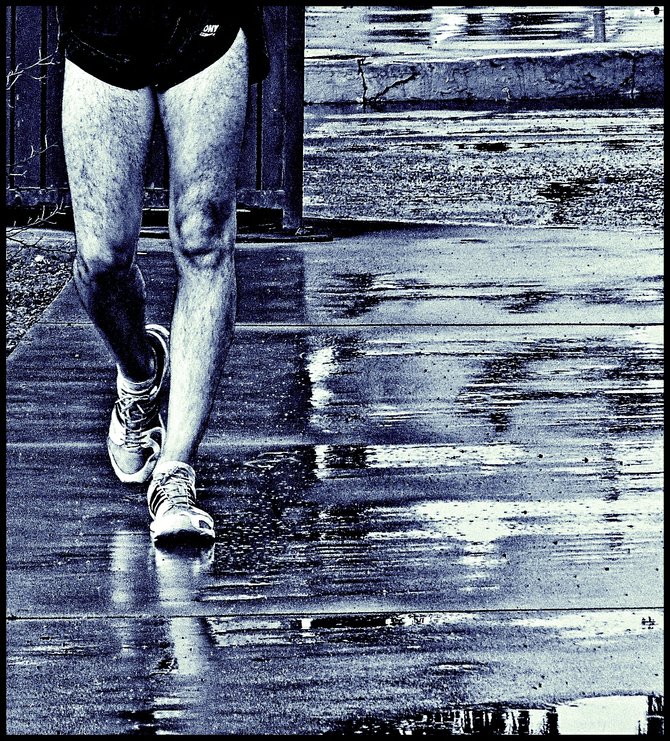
pixel 203 119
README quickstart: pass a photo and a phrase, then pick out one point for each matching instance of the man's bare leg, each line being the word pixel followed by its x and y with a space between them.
pixel 106 134
pixel 203 119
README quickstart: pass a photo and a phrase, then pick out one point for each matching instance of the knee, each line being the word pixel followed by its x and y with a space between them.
pixel 203 231
pixel 100 262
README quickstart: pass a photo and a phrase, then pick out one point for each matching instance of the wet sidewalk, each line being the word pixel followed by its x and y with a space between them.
pixel 435 471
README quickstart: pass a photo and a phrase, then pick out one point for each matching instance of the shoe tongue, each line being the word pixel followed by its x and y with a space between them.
pixel 166 468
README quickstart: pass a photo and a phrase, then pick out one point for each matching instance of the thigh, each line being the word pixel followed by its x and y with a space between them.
pixel 203 119
pixel 106 136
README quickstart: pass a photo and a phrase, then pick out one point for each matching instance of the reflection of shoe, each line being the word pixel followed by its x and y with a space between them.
pixel 171 498
pixel 136 431
pixel 183 563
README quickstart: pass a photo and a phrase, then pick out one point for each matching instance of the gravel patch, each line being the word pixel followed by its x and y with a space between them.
pixel 38 265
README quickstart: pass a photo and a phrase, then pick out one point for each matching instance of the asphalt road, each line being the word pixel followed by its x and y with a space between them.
pixel 595 168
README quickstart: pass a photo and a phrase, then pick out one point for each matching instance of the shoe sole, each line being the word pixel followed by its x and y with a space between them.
pixel 181 527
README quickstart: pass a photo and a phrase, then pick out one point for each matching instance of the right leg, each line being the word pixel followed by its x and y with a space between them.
pixel 106 136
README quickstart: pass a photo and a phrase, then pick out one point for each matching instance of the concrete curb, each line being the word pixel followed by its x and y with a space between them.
pixel 616 73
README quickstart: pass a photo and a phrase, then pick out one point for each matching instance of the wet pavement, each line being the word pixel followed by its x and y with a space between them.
pixel 435 460
pixel 438 32
pixel 435 470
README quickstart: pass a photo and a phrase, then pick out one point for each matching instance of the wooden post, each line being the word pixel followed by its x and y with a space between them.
pixel 294 116
pixel 599 24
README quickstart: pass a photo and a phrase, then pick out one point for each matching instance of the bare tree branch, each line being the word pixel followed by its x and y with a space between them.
pixel 12 234
pixel 14 74
pixel 17 169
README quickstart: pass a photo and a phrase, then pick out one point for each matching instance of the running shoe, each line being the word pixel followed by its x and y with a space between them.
pixel 136 431
pixel 171 498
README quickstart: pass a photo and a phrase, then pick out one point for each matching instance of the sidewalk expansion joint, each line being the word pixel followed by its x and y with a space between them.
pixel 333 613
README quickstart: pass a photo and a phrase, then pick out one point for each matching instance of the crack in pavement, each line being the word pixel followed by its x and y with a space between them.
pixel 397 83
pixel 360 63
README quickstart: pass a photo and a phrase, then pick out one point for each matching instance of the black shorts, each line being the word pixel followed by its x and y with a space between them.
pixel 155 44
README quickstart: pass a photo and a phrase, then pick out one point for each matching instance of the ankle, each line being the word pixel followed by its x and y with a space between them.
pixel 139 381
pixel 176 454
pixel 168 465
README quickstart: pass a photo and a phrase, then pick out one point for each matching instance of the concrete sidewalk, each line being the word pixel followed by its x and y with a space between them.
pixel 435 470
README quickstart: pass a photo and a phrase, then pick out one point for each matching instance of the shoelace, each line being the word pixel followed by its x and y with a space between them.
pixel 174 486
pixel 135 414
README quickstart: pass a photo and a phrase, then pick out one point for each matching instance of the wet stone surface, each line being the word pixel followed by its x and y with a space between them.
pixel 497 526
pixel 432 276
pixel 435 462
pixel 389 386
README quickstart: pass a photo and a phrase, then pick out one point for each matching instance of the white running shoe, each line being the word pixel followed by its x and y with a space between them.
pixel 171 498
pixel 136 431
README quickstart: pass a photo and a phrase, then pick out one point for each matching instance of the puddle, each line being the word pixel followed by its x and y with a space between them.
pixel 620 144
pixel 154 721
pixel 631 388
pixel 184 693
pixel 491 146
pixel 354 295
pixel 317 112
pixel 538 627
pixel 613 715
pixel 563 191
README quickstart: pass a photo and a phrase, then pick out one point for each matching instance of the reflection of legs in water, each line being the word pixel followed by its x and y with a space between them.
pixel 156 581
pixel 178 574
pixel 170 585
